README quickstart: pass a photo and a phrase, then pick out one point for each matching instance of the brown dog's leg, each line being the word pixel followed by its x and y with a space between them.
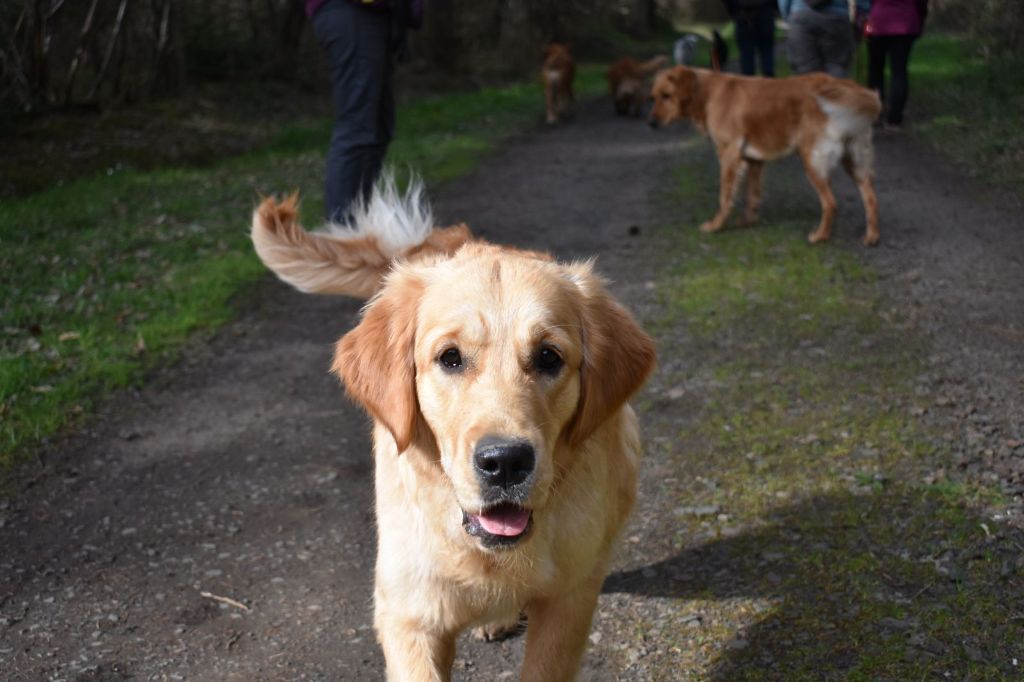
pixel 866 185
pixel 828 201
pixel 730 164
pixel 550 100
pixel 754 171
pixel 556 634
pixel 413 654
pixel 859 163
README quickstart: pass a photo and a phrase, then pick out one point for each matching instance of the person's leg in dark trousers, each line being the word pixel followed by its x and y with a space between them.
pixel 877 48
pixel 746 39
pixel 357 44
pixel 764 31
pixel 899 84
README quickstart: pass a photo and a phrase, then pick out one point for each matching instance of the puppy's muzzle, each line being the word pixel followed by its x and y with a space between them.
pixel 503 467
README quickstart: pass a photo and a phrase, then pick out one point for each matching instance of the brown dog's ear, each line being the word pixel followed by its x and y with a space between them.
pixel 618 356
pixel 375 360
pixel 684 79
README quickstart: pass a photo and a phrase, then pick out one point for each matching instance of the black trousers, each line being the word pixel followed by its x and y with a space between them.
pixel 895 49
pixel 755 36
pixel 357 42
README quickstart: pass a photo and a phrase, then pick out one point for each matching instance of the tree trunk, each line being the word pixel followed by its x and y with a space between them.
pixel 442 44
pixel 643 17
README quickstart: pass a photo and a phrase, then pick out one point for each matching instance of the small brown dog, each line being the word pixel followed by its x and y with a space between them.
pixel 627 81
pixel 826 120
pixel 556 75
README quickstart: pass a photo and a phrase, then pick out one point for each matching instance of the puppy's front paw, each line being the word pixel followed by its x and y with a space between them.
pixel 710 226
pixel 495 632
pixel 872 239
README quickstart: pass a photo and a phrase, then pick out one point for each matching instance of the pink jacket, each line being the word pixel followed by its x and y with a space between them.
pixel 897 17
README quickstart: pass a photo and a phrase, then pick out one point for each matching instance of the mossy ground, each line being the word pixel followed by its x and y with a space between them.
pixel 798 511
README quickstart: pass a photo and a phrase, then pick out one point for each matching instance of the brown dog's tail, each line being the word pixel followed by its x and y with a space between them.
pixel 847 95
pixel 351 259
pixel 653 64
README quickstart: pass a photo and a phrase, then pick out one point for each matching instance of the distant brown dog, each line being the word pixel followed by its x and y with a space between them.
pixel 826 120
pixel 627 80
pixel 557 75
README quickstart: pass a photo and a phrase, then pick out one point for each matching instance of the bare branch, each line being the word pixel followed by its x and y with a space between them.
pixel 76 61
pixel 114 33
pixel 55 6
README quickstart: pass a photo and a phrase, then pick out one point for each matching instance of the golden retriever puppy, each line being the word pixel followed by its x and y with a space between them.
pixel 506 453
pixel 556 75
pixel 826 120
pixel 627 81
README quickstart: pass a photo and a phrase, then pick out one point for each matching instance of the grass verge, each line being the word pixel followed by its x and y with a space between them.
pixel 815 532
pixel 971 106
pixel 106 277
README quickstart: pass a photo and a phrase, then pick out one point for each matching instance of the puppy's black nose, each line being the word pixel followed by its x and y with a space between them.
pixel 503 463
pixel 653 122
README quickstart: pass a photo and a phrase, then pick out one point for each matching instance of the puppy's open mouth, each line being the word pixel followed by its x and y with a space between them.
pixel 502 525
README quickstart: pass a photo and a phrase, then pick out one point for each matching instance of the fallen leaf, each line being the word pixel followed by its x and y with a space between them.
pixel 68 336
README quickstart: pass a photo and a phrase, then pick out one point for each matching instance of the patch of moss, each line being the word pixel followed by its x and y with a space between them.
pixel 829 498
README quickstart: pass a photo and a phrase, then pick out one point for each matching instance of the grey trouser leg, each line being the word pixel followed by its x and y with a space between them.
pixel 819 41
pixel 356 42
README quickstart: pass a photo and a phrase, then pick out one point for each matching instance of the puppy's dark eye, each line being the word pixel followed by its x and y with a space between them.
pixel 548 361
pixel 451 359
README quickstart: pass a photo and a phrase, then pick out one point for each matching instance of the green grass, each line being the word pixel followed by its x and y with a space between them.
pixel 108 276
pixel 841 548
pixel 969 106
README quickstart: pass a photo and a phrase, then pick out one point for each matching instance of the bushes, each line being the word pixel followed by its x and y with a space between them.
pixel 59 53
pixel 996 25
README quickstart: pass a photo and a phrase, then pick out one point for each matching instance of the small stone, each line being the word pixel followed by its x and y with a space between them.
pixel 973 654
pixel 699 510
pixel 896 624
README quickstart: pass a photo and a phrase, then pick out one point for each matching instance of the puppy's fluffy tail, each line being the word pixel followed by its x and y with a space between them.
pixel 351 259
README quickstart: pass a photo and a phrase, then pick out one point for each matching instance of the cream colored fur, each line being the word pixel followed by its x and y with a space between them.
pixel 498 306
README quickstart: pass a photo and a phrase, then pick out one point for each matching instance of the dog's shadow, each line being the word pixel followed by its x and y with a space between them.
pixel 852 584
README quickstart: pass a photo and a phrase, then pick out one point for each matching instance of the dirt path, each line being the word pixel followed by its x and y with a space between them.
pixel 243 473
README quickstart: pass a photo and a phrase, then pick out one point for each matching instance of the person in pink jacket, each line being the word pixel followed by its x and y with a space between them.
pixel 893 26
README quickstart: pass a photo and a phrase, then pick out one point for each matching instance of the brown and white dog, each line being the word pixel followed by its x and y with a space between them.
pixel 627 81
pixel 505 451
pixel 556 75
pixel 826 120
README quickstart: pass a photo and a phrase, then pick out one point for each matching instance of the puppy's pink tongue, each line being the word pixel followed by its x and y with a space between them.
pixel 507 521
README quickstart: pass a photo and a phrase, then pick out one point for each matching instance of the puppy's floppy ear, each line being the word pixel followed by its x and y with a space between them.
pixel 375 360
pixel 618 355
